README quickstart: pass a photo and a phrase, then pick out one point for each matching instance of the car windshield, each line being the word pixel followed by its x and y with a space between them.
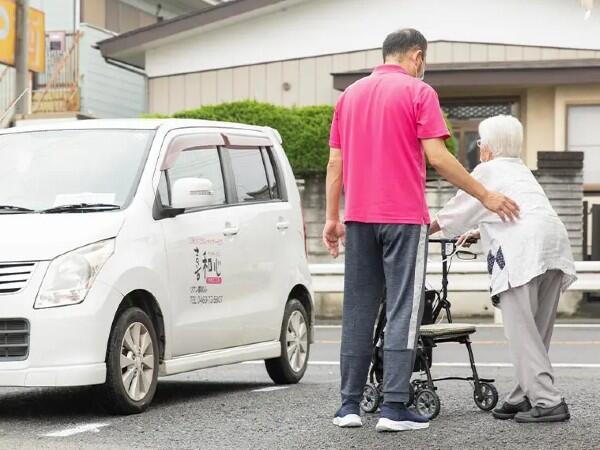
pixel 96 169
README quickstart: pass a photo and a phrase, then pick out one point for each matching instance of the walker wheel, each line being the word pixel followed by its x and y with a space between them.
pixel 489 397
pixel 370 399
pixel 427 403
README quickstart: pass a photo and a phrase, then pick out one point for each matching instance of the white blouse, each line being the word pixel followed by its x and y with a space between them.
pixel 516 251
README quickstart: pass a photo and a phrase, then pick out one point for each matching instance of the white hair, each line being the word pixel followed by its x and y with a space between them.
pixel 502 135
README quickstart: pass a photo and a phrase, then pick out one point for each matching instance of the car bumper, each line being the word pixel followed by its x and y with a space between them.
pixel 67 345
pixel 55 376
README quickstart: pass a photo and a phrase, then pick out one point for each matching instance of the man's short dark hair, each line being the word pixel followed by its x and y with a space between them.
pixel 402 41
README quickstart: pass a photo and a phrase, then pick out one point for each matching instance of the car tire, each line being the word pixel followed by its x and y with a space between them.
pixel 131 364
pixel 294 338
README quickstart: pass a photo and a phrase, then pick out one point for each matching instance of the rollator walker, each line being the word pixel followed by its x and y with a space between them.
pixel 433 331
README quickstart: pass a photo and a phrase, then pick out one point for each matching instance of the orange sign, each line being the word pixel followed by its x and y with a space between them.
pixel 37 36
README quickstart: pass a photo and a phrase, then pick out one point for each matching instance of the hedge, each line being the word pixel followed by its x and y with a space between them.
pixel 304 130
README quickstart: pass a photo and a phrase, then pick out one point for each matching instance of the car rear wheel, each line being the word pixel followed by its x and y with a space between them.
pixel 289 368
pixel 131 364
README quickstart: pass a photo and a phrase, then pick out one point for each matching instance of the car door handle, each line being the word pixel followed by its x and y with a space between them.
pixel 231 231
pixel 281 226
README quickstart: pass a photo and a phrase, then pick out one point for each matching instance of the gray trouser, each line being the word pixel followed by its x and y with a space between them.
pixel 528 313
pixel 388 258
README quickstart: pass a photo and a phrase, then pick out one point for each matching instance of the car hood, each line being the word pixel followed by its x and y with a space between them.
pixel 40 237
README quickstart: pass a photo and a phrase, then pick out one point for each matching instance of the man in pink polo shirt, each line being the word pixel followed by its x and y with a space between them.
pixel 384 127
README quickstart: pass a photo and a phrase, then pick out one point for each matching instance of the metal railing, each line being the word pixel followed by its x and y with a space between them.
pixel 7 115
pixel 7 94
pixel 55 58
pixel 57 89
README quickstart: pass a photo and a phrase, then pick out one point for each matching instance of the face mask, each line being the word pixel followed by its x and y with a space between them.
pixel 421 75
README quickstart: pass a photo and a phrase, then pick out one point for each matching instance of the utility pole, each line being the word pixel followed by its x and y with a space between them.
pixel 21 56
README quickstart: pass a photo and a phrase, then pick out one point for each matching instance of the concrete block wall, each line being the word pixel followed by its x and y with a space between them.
pixel 438 192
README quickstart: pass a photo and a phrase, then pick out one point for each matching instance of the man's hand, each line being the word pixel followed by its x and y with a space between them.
pixel 500 204
pixel 434 227
pixel 334 234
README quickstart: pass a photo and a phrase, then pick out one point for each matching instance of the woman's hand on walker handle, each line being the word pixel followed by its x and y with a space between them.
pixel 467 239
pixel 502 205
pixel 334 234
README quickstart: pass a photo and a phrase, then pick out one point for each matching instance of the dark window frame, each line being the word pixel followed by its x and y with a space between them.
pixel 230 175
pixel 267 156
pixel 158 200
pixel 229 181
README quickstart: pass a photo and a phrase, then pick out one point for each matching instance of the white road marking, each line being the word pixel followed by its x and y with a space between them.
pixel 492 325
pixel 85 428
pixel 270 388
pixel 488 342
pixel 499 364
pixel 558 325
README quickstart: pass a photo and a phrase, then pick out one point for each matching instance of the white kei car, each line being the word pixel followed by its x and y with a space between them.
pixel 137 248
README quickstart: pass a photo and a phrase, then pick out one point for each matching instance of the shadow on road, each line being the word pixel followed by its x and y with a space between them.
pixel 48 404
pixel 172 392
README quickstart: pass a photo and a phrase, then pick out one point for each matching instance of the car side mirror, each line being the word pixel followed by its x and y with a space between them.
pixel 192 193
pixel 465 255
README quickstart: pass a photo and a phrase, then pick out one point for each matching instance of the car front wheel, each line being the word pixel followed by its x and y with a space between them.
pixel 131 364
pixel 289 368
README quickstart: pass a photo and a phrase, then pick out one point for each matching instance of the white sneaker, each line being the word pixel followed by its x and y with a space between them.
pixel 348 421
pixel 392 425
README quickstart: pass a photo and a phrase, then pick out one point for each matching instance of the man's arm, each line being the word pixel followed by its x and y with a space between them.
pixel 334 231
pixel 453 171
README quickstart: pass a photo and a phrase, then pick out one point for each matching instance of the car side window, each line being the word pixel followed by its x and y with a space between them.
pixel 202 163
pixel 271 173
pixel 250 175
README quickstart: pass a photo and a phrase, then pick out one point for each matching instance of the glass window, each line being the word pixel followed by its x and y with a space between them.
pixel 582 136
pixel 250 176
pixel 163 190
pixel 269 164
pixel 198 163
pixel 46 169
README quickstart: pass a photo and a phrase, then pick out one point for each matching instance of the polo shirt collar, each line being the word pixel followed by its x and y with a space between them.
pixel 389 68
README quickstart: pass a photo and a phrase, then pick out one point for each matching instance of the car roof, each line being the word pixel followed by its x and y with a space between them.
pixel 129 124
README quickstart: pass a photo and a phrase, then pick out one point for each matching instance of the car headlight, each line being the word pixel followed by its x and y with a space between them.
pixel 70 276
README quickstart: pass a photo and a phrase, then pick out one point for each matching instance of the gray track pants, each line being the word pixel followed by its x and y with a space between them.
pixel 528 313
pixel 380 258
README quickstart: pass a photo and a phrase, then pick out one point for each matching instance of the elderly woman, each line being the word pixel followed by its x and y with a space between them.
pixel 529 262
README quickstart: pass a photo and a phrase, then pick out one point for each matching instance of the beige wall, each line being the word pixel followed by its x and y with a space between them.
pixel 537 116
pixel 310 81
pixel 114 15
pixel 94 12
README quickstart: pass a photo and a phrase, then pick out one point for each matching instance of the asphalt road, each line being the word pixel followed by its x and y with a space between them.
pixel 237 407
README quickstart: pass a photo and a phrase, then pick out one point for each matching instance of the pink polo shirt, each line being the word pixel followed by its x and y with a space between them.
pixel 378 124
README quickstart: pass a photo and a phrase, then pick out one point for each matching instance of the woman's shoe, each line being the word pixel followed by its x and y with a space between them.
pixel 537 414
pixel 509 411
